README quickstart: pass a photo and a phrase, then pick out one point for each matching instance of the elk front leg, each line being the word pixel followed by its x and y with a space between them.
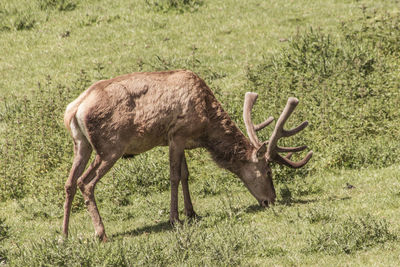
pixel 189 212
pixel 176 153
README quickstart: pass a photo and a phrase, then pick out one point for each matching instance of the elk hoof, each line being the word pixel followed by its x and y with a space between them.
pixel 265 203
pixel 102 238
pixel 192 216
pixel 61 240
pixel 175 222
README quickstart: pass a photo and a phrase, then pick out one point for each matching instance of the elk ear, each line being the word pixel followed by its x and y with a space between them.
pixel 261 151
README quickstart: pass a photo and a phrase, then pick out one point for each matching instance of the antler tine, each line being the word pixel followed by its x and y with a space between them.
pixel 287 133
pixel 249 100
pixel 264 124
pixel 273 148
pixel 286 161
pixel 290 149
pixel 278 131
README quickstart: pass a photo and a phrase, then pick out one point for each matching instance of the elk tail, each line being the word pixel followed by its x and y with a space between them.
pixel 72 108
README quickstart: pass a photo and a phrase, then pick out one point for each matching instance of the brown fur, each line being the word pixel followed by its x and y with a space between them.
pixel 133 113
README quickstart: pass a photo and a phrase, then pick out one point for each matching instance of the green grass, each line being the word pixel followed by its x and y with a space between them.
pixel 340 58
pixel 335 225
pixel 117 35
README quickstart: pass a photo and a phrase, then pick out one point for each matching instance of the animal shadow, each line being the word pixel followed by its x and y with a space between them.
pixel 161 226
pixel 148 229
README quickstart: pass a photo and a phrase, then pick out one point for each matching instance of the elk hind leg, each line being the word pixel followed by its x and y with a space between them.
pixel 82 151
pixel 87 183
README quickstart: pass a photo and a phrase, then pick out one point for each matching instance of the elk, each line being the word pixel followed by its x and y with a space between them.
pixel 133 113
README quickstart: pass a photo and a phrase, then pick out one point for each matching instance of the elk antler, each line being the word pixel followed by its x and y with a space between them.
pixel 249 100
pixel 273 148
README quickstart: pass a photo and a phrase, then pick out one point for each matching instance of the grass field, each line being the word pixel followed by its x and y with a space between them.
pixel 340 58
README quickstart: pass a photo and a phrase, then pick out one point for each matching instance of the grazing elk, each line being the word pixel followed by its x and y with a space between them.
pixel 133 113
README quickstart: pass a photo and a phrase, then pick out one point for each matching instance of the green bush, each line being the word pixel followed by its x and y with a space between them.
pixel 319 214
pixel 4 230
pixel 191 245
pixel 174 5
pixel 142 175
pixel 26 15
pixel 351 235
pixel 60 5
pixel 192 63
pixel 4 234
pixel 36 149
pixel 348 87
pixel 14 18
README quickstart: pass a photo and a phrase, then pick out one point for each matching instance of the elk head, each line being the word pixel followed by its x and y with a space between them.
pixel 257 173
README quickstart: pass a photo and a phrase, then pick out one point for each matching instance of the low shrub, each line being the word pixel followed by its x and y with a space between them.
pixel 348 87
pixel 4 230
pixel 4 234
pixel 36 149
pixel 319 214
pixel 183 245
pixel 60 5
pixel 14 18
pixel 179 6
pixel 350 235
pixel 142 175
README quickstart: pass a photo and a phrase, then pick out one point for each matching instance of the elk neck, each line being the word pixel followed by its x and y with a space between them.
pixel 226 143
